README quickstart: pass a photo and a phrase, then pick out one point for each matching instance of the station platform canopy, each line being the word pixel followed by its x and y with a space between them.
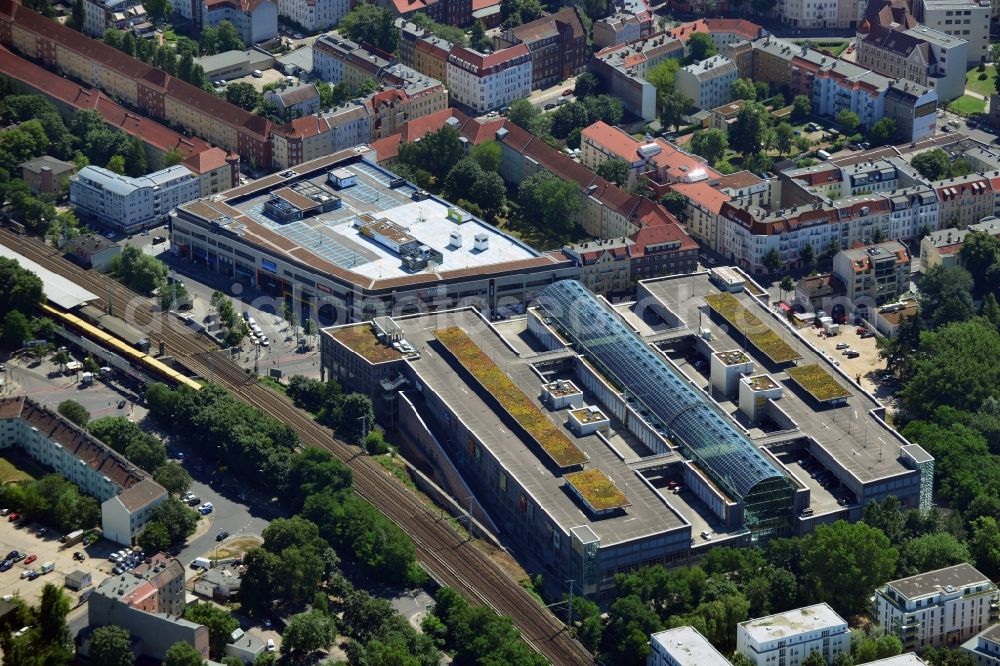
pixel 59 290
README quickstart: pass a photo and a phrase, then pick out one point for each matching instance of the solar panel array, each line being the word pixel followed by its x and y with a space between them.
pixel 726 454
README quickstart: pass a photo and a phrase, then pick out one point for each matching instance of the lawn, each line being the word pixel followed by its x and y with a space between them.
pixel 832 46
pixel 967 106
pixel 756 332
pixel 13 472
pixel 984 87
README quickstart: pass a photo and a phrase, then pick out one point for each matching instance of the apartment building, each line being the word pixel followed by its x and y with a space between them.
pixel 136 84
pixel 921 55
pixel 99 15
pixel 557 43
pixel 984 647
pixel 813 15
pixel 836 85
pixel 707 83
pixel 337 59
pixel 215 169
pixel 877 273
pixel 683 646
pixel 771 61
pixel 942 247
pixel 392 108
pixel 450 12
pixel 256 21
pixel 131 204
pixel 423 51
pixel 965 200
pixel 789 638
pixel 295 101
pixel 93 467
pixel 46 174
pixel 630 20
pixel 914 108
pixel 656 160
pixel 310 137
pixel 722 31
pixel 965 19
pixel 937 608
pixel 314 15
pixel 622 70
pixel 484 82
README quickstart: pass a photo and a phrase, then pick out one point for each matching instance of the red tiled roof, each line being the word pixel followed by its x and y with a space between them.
pixel 76 96
pixel 486 61
pixel 657 234
pixel 739 179
pixel 209 160
pixel 483 4
pixel 703 194
pixel 745 29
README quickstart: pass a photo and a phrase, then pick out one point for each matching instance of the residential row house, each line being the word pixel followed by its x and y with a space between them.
pixel 723 32
pixel 423 51
pixel 256 21
pixel 484 82
pixel 622 70
pixel 708 83
pixel 557 43
pixel 965 19
pixel 314 15
pixel 630 20
pixel 100 15
pixel 921 55
pixel 878 273
pixel 135 84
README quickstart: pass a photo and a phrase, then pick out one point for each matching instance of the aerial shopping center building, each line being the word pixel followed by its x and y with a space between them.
pixel 594 438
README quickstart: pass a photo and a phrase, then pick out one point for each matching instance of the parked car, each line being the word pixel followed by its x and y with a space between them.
pixel 13 517
pixel 78 556
pixel 842 345
pixel 852 353
pixel 222 536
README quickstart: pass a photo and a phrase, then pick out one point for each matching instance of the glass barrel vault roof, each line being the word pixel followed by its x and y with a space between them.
pixel 728 455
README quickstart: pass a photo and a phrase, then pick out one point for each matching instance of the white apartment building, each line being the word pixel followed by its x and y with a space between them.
pixel 683 646
pixel 922 55
pixel 98 15
pixel 125 515
pixel 815 14
pixel 786 639
pixel 707 83
pixel 255 20
pixel 484 82
pixel 314 15
pixel 876 273
pixel 967 19
pixel 129 204
pixel 844 86
pixel 126 495
pixel 985 647
pixel 943 607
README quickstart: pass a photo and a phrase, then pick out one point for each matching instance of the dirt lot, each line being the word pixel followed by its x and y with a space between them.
pixel 23 538
pixel 854 367
pixel 270 76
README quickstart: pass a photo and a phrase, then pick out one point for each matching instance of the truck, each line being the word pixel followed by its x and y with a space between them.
pixel 87 378
pixel 47 567
pixel 201 563
pixel 72 538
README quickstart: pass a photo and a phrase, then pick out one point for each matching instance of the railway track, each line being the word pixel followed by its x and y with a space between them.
pixel 451 559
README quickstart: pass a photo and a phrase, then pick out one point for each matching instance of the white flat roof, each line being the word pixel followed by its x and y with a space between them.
pixel 428 222
pixel 792 623
pixel 905 659
pixel 688 647
pixel 64 293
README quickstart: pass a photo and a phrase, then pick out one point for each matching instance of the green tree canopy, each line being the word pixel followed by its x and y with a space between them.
pixel 550 201
pixel 111 646
pixel 172 476
pixel 710 144
pixel 747 134
pixel 74 411
pixel 883 132
pixel 183 654
pixel 243 95
pixel 743 89
pixel 700 47
pixel 946 295
pixel 980 252
pixel 371 24
pixel 307 632
pixel 220 625
pixel 844 561
pixel 801 107
pixel 614 170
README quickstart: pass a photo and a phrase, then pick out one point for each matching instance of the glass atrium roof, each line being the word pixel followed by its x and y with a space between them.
pixel 724 452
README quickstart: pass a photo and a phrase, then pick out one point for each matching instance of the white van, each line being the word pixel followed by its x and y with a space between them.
pixel 201 563
pixel 823 155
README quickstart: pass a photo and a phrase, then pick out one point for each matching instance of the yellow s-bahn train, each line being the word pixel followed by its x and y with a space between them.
pixel 140 359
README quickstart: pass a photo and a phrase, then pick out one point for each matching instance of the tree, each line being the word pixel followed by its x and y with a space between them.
pixel 111 646
pixel 932 164
pixel 458 183
pixel 76 17
pixel 478 40
pixel 307 632
pixel 368 23
pixel 358 417
pixel 116 164
pixel 662 76
pixel 489 192
pixel 807 256
pixel 487 155
pixel 985 545
pixel 74 411
pixel 243 95
pixel 219 622
pixel 848 121
pixel 436 152
pixel 177 518
pixel 550 201
pixel 154 538
pixel 673 106
pixel 747 134
pixel 743 89
pixel 183 654
pixel 882 132
pixel 587 85
pixel 172 476
pixel 626 634
pixel 980 252
pixel 772 260
pixel 52 629
pixel 522 113
pixel 946 294
pixel 515 12
pixel 228 38
pixel 676 203
pixel 20 289
pixel 787 284
pixel 615 170
pixel 16 329
pixel 568 117
pixel 158 9
pixel 843 562
pixel 710 144
pixel 783 137
pixel 801 107
pixel 929 552
pixel 700 47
